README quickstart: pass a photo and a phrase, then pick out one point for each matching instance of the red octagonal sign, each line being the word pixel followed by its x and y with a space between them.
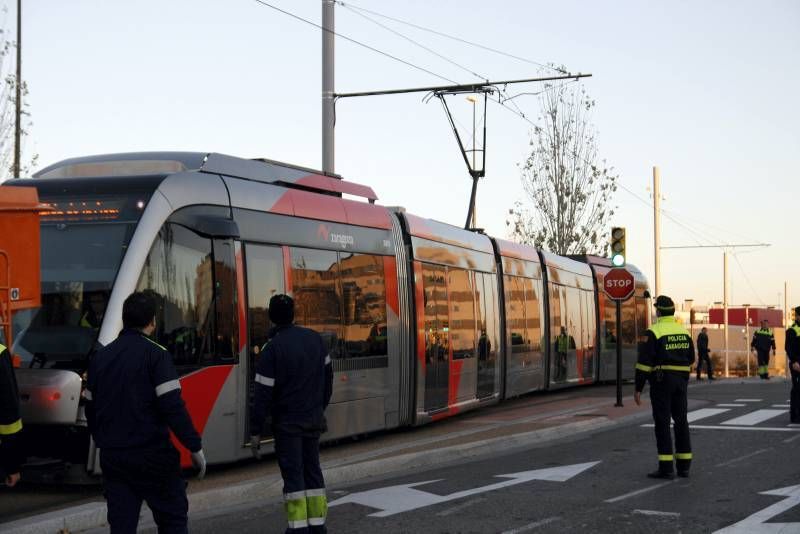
pixel 618 284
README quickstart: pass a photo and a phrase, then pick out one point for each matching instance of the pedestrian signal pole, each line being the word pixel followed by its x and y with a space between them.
pixel 618 284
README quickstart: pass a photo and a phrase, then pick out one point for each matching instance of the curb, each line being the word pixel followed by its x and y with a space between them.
pixel 93 515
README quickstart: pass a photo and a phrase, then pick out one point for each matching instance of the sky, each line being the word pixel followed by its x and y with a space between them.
pixel 706 91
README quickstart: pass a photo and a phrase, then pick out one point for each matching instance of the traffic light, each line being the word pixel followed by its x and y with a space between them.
pixel 618 246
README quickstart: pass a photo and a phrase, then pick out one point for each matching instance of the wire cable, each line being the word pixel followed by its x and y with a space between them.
pixel 747 279
pixel 454 38
pixel 359 43
pixel 412 41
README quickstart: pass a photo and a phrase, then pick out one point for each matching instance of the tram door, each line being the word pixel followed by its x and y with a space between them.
pixel 265 277
pixel 437 342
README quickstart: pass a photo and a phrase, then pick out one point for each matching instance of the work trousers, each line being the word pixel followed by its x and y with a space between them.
pixel 703 357
pixel 668 399
pixel 153 476
pixel 795 398
pixel 303 483
pixel 763 363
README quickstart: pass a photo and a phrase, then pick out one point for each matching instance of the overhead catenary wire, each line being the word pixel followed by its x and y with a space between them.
pixel 747 279
pixel 354 41
pixel 453 37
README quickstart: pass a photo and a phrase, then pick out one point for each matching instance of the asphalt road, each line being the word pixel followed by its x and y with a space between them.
pixel 742 445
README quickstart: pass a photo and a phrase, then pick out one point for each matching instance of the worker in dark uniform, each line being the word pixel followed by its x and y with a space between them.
pixel 11 455
pixel 294 382
pixel 133 402
pixel 703 354
pixel 665 360
pixel 792 346
pixel 763 341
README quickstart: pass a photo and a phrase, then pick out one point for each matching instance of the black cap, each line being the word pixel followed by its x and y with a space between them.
pixel 665 306
pixel 281 309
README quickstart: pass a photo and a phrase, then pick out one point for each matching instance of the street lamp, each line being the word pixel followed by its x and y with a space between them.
pixel 747 335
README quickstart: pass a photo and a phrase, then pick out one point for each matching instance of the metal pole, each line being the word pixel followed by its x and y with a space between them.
pixel 328 100
pixel 747 336
pixel 18 84
pixel 619 354
pixel 725 308
pixel 786 320
pixel 657 227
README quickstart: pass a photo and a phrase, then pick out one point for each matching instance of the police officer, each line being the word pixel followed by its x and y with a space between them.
pixel 792 346
pixel 665 360
pixel 294 382
pixel 133 401
pixel 11 456
pixel 763 341
pixel 703 354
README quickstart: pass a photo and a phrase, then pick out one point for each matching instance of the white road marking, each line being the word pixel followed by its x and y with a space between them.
pixel 793 438
pixel 758 522
pixel 780 405
pixel 638 492
pixel 753 418
pixel 531 526
pixel 656 512
pixel 740 458
pixel 731 405
pixel 705 412
pixel 454 509
pixel 748 400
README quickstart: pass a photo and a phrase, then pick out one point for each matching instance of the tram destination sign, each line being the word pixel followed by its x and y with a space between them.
pixel 618 284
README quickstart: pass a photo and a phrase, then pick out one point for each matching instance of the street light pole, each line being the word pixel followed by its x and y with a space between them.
pixel 747 335
pixel 18 88
pixel 474 100
pixel 725 308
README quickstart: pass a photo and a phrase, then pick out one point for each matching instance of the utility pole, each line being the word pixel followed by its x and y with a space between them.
pixel 657 227
pixel 18 84
pixel 328 98
pixel 725 307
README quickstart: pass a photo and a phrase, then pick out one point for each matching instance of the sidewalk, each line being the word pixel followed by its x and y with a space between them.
pixel 524 422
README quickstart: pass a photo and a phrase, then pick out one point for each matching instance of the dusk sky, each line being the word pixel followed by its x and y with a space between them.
pixel 707 91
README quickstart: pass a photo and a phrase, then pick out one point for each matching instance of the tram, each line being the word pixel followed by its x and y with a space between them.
pixel 424 320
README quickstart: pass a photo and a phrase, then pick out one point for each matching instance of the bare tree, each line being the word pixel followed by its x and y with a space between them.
pixel 568 188
pixel 8 102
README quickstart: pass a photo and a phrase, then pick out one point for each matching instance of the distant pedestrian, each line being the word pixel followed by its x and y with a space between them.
pixel 763 342
pixel 665 360
pixel 793 353
pixel 133 402
pixel 294 383
pixel 703 354
pixel 564 342
pixel 11 455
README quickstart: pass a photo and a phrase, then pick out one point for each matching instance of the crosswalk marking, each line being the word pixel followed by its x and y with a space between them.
pixel 748 400
pixel 753 418
pixel 731 405
pixel 702 413
pixel 780 405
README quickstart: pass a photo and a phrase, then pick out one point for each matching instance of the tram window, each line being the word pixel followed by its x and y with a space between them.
pixel 574 322
pixel 641 319
pixel 317 295
pixel 558 303
pixel 488 321
pixel 179 270
pixel 436 323
pixel 628 323
pixel 460 287
pixel 533 321
pixel 364 304
pixel 610 320
pixel 264 279
pixel 515 310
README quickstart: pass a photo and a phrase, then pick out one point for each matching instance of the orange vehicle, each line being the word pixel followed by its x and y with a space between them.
pixel 19 254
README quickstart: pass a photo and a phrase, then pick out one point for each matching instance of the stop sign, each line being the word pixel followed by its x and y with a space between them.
pixel 618 284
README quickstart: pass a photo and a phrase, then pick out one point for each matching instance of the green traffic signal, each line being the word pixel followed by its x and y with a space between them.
pixel 618 246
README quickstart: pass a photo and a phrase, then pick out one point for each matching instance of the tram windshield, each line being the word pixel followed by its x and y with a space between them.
pixel 83 241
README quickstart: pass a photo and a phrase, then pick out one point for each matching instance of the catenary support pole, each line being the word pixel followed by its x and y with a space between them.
pixel 18 88
pixel 619 354
pixel 725 308
pixel 328 78
pixel 657 227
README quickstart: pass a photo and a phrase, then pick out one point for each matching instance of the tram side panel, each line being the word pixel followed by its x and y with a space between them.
pixel 457 319
pixel 572 337
pixel 525 335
